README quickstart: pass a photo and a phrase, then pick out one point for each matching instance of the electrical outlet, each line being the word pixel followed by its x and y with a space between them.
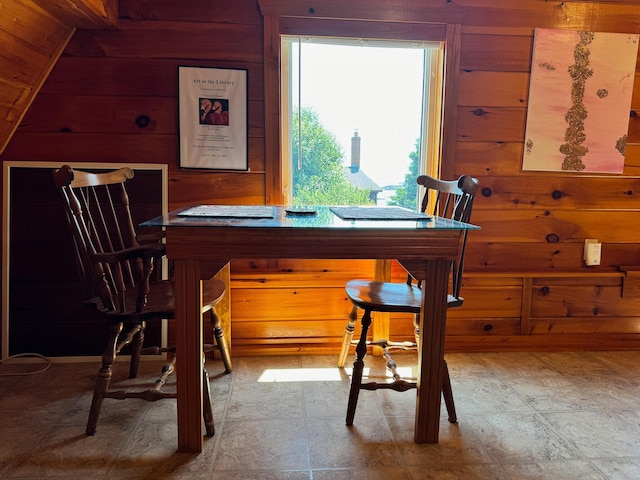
pixel 592 252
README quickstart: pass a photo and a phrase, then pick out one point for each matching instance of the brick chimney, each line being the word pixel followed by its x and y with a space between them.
pixel 355 152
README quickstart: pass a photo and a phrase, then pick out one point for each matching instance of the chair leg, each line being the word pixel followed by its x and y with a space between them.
pixel 358 368
pixel 221 341
pixel 207 411
pixel 103 378
pixel 448 394
pixel 136 349
pixel 348 336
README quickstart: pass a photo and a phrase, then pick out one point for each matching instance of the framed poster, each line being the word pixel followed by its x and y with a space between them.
pixel 212 105
pixel 579 101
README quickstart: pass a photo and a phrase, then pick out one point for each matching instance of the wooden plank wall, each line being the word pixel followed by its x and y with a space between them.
pixel 525 287
pixel 31 41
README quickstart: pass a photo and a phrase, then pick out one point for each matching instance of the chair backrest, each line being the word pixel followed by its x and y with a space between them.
pixel 451 199
pixel 99 218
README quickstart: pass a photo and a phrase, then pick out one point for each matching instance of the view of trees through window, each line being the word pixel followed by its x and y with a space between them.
pixel 355 120
pixel 320 179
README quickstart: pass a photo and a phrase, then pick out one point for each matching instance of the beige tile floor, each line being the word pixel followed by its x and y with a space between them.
pixel 521 416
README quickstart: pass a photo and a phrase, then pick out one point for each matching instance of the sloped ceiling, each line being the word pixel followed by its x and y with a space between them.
pixel 90 14
pixel 33 35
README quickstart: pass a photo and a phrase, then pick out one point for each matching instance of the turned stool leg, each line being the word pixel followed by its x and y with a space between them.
pixel 358 368
pixel 104 377
pixel 207 410
pixel 221 341
pixel 136 349
pixel 348 336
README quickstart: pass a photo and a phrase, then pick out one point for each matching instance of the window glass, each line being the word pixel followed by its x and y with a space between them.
pixel 360 119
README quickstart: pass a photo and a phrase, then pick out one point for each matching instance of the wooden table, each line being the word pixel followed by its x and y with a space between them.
pixel 201 246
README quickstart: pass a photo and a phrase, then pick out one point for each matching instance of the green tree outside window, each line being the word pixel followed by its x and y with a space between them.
pixel 319 179
pixel 407 193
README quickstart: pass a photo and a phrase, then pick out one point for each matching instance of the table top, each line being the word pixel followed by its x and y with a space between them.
pixel 317 217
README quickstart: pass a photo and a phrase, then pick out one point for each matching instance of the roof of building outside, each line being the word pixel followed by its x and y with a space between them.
pixel 361 180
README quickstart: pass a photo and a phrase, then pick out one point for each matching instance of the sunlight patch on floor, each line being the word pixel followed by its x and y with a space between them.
pixel 301 375
pixel 274 375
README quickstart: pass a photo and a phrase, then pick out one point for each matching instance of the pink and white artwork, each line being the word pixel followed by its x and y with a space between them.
pixel 579 101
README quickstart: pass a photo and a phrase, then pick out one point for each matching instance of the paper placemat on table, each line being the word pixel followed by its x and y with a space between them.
pixel 378 213
pixel 230 211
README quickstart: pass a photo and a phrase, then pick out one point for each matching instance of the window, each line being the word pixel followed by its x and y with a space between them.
pixel 360 119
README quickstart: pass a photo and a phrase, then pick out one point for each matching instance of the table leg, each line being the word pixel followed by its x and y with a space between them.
pixel 188 292
pixel 433 316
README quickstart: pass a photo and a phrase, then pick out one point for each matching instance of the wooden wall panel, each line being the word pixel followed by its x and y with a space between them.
pixel 489 302
pixel 555 226
pixel 488 158
pixel 135 76
pixel 580 301
pixel 583 305
pixel 483 327
pixel 585 325
pixel 632 159
pixel 574 15
pixel 92 147
pixel 211 11
pixel 188 40
pixel 353 28
pixel 265 304
pixel 101 114
pixel 125 148
pixel 401 327
pixel 192 188
pixel 493 89
pixel 287 265
pixel 564 192
pixel 634 129
pixel 534 257
pixel 97 114
pixel 533 223
pixel 496 53
pixel 287 331
pixel 493 124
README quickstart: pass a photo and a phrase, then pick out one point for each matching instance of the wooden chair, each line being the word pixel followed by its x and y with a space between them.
pixel 451 199
pixel 116 266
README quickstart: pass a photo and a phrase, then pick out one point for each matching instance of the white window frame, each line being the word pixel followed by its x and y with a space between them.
pixel 429 148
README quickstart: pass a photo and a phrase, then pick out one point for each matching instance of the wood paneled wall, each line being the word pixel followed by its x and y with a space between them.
pixel 526 286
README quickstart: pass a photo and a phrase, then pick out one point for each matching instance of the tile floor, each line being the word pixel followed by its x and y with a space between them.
pixel 521 416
